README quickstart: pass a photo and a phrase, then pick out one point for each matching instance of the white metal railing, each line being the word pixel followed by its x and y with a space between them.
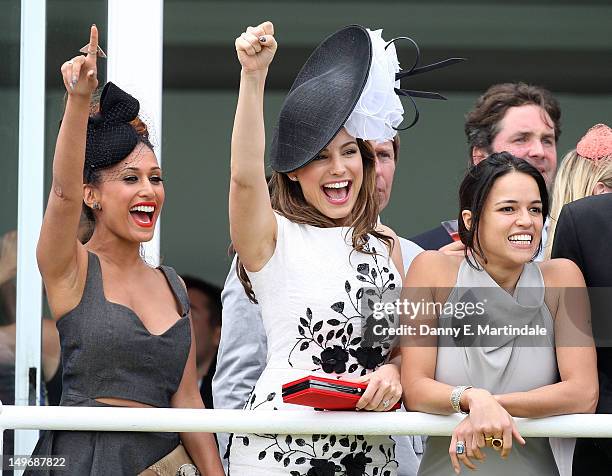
pixel 294 422
pixel 297 422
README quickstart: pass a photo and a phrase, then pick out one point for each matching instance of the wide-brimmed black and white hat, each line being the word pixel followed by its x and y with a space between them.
pixel 351 80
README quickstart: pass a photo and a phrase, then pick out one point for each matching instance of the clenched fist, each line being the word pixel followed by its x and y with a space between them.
pixel 256 47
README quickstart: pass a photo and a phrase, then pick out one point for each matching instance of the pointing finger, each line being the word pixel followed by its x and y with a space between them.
pixel 92 48
pixel 93 39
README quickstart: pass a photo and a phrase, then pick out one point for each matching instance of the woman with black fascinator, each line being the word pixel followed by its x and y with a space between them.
pixel 500 336
pixel 311 251
pixel 124 326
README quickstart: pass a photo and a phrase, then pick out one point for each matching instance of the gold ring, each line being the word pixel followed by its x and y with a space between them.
pixel 488 438
pixel 497 443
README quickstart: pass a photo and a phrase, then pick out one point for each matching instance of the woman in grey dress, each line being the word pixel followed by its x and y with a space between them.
pixel 508 338
pixel 124 326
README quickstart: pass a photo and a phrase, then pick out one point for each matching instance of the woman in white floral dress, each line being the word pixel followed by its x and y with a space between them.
pixel 311 251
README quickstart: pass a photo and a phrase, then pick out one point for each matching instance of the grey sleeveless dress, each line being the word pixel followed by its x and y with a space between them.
pixel 498 363
pixel 107 352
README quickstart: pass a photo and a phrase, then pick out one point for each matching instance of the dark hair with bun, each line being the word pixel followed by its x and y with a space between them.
pixel 113 131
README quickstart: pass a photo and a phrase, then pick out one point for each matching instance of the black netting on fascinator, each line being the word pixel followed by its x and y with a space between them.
pixel 110 136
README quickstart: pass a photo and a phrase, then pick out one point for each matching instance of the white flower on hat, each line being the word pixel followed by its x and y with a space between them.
pixel 379 109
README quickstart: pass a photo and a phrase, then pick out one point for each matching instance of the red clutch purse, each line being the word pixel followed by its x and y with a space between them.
pixel 325 393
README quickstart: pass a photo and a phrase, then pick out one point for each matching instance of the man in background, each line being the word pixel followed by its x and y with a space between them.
pixel 205 301
pixel 514 117
pixel 583 234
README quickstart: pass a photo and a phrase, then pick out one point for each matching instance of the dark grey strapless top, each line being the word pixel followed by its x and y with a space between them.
pixel 108 352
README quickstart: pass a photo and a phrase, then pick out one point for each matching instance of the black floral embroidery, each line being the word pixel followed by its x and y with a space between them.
pixel 355 464
pixel 321 467
pixel 335 342
pixel 336 338
pixel 368 357
pixel 251 401
pixel 321 454
pixel 333 359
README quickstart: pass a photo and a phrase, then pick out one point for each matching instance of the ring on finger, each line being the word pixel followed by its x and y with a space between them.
pixel 385 404
pixel 497 443
pixel 71 62
pixel 460 448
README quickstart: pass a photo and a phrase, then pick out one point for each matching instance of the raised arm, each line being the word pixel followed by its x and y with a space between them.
pixel 252 221
pixel 58 245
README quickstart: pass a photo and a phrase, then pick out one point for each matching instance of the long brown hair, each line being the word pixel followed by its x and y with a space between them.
pixel 288 200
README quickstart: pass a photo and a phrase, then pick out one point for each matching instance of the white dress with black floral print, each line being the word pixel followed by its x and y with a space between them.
pixel 317 297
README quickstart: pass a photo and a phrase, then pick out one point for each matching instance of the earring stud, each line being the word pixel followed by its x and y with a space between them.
pixel 96 206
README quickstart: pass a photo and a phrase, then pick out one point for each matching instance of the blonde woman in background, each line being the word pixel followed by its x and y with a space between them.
pixel 585 171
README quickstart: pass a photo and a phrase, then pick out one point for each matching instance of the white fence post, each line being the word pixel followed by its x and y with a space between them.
pixel 135 50
pixel 29 209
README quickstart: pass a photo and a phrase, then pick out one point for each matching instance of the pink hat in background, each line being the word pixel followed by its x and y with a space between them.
pixel 596 143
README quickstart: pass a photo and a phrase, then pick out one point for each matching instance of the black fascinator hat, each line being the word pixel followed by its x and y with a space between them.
pixel 110 136
pixel 321 98
pixel 330 86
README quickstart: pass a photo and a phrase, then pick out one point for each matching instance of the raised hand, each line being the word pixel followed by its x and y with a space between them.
pixel 80 74
pixel 256 47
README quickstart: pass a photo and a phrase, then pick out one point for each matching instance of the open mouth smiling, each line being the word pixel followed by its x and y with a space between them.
pixel 521 240
pixel 337 193
pixel 142 214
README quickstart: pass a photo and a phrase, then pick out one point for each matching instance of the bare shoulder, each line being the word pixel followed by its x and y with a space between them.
pixel 561 272
pixel 433 268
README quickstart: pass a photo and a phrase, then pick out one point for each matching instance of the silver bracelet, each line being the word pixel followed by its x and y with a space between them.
pixel 455 397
